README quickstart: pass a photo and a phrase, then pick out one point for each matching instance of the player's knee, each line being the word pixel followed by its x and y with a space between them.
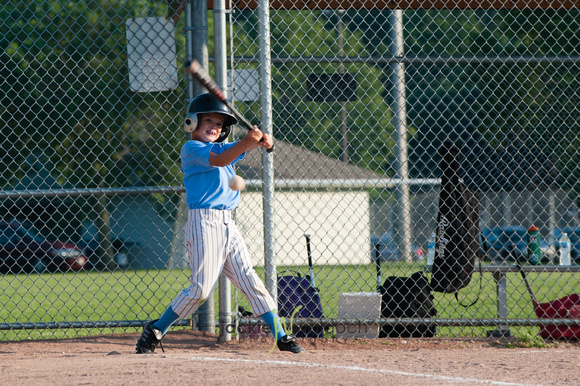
pixel 195 294
pixel 202 296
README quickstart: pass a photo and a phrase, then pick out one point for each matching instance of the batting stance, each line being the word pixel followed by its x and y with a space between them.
pixel 214 243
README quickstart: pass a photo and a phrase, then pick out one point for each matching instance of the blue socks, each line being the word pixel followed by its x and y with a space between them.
pixel 166 320
pixel 272 320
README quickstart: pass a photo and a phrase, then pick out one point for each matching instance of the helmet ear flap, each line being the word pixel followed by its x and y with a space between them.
pixel 190 123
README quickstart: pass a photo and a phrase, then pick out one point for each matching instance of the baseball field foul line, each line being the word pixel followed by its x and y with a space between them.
pixel 363 369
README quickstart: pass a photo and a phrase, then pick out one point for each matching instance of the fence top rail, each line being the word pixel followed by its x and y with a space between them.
pixel 281 184
pixel 406 4
pixel 4 194
pixel 348 183
pixel 530 268
pixel 416 59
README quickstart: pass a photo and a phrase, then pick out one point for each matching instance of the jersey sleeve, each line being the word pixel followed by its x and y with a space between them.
pixel 195 155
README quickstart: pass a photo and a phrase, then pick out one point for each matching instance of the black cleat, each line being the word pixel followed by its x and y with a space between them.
pixel 288 343
pixel 149 339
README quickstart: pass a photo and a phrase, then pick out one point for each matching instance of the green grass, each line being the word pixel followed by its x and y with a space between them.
pixel 527 339
pixel 141 295
pixel 85 296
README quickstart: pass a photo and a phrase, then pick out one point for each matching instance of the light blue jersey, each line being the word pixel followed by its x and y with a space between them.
pixel 207 186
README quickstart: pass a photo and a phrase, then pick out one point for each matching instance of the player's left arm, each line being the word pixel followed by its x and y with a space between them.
pixel 251 141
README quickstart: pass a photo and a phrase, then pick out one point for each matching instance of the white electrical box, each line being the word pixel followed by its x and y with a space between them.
pixel 359 305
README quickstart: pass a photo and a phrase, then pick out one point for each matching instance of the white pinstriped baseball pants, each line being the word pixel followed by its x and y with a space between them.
pixel 215 245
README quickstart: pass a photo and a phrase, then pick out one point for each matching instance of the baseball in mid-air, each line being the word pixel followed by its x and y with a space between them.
pixel 237 183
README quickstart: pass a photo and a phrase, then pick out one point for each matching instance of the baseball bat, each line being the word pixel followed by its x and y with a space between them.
pixel 198 73
pixel 378 265
pixel 310 265
pixel 528 286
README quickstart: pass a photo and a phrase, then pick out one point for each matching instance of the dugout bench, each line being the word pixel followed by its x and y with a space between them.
pixel 499 275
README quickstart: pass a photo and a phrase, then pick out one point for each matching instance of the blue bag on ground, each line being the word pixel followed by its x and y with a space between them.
pixel 294 292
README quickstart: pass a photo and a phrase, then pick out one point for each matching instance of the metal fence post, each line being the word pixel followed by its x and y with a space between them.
pixel 267 158
pixel 198 34
pixel 220 49
pixel 400 124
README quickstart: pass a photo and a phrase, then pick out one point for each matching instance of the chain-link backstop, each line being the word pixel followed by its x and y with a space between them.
pixel 362 98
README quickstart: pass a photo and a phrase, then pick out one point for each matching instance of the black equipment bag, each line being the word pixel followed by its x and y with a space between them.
pixel 457 227
pixel 407 297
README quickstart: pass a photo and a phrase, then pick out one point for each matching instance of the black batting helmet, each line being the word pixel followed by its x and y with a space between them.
pixel 207 103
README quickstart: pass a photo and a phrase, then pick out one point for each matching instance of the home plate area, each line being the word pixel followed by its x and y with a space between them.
pixel 194 357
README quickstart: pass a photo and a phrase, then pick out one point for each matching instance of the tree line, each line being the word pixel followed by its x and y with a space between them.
pixel 65 92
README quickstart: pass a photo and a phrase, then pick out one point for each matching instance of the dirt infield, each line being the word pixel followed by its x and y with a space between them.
pixel 196 357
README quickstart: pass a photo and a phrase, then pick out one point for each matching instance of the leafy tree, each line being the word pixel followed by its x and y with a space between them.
pixel 317 125
pixel 65 90
pixel 483 105
pixel 65 95
pixel 488 106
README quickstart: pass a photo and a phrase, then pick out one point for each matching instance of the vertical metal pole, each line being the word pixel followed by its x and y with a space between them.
pixel 221 79
pixel 484 219
pixel 236 323
pixel 196 36
pixel 552 222
pixel 267 158
pixel 400 123
pixel 343 115
pixel 507 207
pixel 502 311
pixel 530 204
pixel 196 48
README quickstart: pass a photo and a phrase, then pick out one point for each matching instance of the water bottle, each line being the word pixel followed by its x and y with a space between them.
pixel 534 253
pixel 565 247
pixel 431 249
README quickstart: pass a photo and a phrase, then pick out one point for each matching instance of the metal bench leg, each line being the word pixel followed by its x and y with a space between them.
pixel 502 312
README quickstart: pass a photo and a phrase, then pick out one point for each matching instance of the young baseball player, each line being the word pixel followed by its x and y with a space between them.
pixel 213 241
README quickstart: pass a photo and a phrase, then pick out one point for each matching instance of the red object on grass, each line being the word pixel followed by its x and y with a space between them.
pixel 567 307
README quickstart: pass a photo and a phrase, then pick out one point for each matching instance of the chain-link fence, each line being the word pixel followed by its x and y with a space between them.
pixel 363 98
